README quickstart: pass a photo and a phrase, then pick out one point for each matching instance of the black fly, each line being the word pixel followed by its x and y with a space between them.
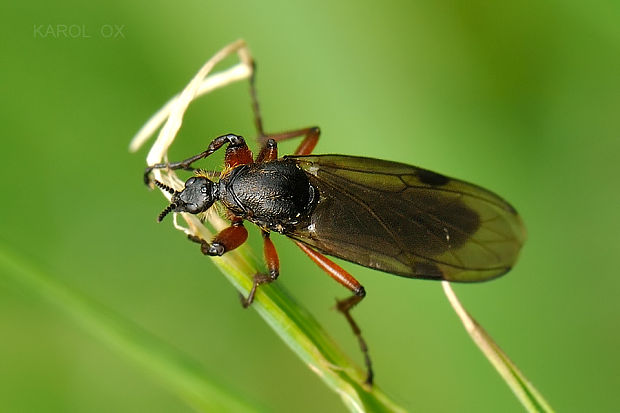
pixel 384 215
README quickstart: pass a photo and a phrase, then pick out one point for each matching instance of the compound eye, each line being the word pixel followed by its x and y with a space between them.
pixel 190 181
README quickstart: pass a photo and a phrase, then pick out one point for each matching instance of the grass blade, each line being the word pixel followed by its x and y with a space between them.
pixel 176 372
pixel 527 394
pixel 303 334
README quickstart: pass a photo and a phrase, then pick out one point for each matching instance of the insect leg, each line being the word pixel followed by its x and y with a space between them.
pixel 184 164
pixel 237 151
pixel 311 135
pixel 306 146
pixel 344 306
pixel 226 240
pixel 273 265
pixel 258 120
pixel 269 152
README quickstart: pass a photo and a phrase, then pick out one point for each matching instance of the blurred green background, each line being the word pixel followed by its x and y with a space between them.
pixel 522 98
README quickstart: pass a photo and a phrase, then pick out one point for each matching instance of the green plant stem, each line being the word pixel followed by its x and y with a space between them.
pixel 527 394
pixel 298 329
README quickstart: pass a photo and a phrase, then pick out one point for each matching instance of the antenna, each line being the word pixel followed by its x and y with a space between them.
pixel 165 187
pixel 166 211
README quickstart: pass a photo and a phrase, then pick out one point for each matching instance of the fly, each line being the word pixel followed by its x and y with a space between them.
pixel 389 216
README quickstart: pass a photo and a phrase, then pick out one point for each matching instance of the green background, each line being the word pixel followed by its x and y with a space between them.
pixel 521 98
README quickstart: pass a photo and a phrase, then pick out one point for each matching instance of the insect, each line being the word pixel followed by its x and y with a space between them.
pixel 384 215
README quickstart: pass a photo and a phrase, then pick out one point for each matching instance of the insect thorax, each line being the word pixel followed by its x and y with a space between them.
pixel 273 194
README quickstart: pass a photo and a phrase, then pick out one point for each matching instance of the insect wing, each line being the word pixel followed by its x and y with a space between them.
pixel 407 220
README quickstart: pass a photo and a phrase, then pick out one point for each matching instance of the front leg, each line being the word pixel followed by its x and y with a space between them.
pixel 237 153
pixel 231 238
pixel 226 240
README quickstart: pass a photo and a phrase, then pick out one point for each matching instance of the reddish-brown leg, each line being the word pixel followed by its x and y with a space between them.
pixel 344 306
pixel 271 256
pixel 306 146
pixel 273 265
pixel 238 154
pixel 269 152
pixel 226 240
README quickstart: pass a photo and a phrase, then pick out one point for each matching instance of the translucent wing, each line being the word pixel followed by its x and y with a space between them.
pixel 407 221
